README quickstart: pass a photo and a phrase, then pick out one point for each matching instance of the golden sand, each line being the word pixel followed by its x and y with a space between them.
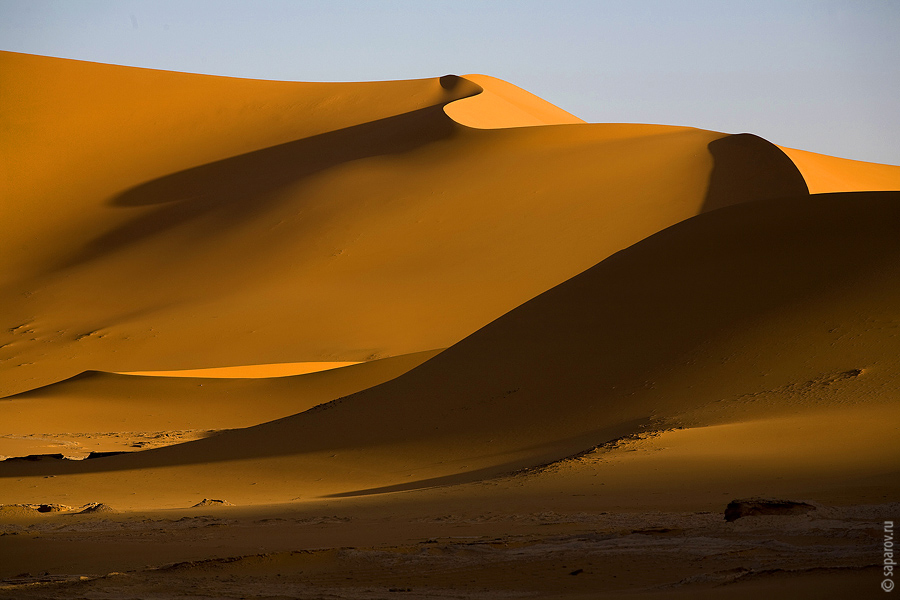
pixel 438 336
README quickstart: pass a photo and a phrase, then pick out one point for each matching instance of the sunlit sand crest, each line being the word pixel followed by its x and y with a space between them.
pixel 248 371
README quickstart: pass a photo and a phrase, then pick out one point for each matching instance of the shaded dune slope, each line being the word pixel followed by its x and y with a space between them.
pixel 105 402
pixel 720 308
pixel 218 196
pixel 747 167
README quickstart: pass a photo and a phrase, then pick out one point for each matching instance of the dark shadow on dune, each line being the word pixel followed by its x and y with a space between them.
pixel 281 438
pixel 455 479
pixel 83 376
pixel 452 82
pixel 746 168
pixel 236 189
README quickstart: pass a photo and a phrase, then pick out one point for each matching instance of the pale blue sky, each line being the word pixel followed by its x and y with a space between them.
pixel 821 75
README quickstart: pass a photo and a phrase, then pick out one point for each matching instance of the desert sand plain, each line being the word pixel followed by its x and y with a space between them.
pixel 433 338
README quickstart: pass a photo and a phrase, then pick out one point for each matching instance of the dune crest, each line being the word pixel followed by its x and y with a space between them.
pixel 108 402
pixel 502 104
pixel 248 371
pixel 68 117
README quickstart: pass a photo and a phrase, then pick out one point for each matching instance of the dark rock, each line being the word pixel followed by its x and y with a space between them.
pixel 754 507
pixel 102 454
pixel 96 507
pixel 212 502
pixel 36 457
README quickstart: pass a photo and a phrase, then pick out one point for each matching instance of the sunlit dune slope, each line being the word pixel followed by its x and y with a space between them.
pixel 752 313
pixel 825 174
pixel 77 134
pixel 501 104
pixel 248 371
pixel 162 221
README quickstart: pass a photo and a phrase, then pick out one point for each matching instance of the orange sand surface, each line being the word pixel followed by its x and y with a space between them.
pixel 826 174
pixel 434 338
pixel 249 371
pixel 501 105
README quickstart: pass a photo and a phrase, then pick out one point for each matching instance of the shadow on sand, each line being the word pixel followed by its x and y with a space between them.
pixel 748 168
pixel 230 191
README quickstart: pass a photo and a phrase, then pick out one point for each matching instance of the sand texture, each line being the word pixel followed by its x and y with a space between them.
pixel 433 338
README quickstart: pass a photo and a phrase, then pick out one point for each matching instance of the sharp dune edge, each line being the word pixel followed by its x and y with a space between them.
pixel 248 371
pixel 572 341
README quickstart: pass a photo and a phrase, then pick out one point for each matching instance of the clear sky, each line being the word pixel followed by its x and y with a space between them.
pixel 821 75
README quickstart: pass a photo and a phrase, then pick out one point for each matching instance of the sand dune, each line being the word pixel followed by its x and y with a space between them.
pixel 602 356
pixel 104 129
pixel 97 402
pixel 184 259
pixel 501 105
pixel 641 322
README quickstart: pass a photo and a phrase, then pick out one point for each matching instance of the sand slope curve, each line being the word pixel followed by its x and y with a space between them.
pixel 502 104
pixel 826 174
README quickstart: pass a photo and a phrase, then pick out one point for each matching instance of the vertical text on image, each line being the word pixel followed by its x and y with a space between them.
pixel 887 584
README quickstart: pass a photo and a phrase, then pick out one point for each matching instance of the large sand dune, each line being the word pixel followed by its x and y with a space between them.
pixel 342 245
pixel 639 320
pixel 600 357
